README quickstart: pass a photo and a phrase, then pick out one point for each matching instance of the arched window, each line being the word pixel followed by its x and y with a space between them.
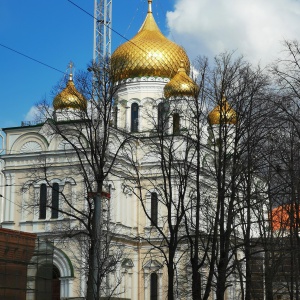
pixel 153 286
pixel 176 123
pixel 43 201
pixel 55 201
pixel 134 117
pixel 162 113
pixel 154 211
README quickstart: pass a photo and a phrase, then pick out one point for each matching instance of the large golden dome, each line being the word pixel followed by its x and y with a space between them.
pixel 70 98
pixel 181 85
pixel 148 53
pixel 222 114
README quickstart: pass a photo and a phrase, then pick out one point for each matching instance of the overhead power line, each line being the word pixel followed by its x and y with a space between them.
pixel 130 41
pixel 115 31
pixel 29 57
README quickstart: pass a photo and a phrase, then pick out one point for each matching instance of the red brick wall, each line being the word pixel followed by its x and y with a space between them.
pixel 16 250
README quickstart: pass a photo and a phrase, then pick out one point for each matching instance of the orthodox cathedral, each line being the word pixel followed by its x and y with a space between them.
pixel 153 68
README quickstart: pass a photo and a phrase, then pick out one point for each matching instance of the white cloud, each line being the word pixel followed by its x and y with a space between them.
pixel 32 114
pixel 253 28
pixel 37 113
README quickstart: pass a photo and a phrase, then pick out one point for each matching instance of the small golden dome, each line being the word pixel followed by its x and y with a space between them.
pixel 222 114
pixel 70 98
pixel 181 85
pixel 148 53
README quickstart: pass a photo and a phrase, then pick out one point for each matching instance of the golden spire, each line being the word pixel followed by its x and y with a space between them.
pixel 181 85
pixel 71 65
pixel 148 53
pixel 69 97
pixel 222 114
pixel 149 6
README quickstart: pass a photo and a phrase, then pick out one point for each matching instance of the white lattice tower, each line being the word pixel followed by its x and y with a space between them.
pixel 102 30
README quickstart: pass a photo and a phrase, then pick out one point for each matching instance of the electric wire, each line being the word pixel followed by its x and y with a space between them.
pixel 14 203
pixel 134 16
pixel 29 57
pixel 55 69
pixel 159 5
pixel 119 34
pixel 130 41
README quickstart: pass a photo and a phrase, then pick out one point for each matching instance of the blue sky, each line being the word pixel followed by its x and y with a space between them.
pixel 53 32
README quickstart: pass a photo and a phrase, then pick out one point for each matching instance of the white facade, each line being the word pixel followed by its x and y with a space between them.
pixel 35 160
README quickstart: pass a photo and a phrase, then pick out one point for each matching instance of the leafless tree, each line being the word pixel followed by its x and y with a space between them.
pixel 283 183
pixel 205 178
pixel 88 146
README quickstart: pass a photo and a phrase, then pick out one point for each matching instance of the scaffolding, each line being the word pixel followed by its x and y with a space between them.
pixel 26 266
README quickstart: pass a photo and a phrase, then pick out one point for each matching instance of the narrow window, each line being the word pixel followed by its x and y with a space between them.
pixel 154 211
pixel 153 286
pixel 43 201
pixel 115 123
pixel 162 120
pixel 55 201
pixel 134 117
pixel 176 122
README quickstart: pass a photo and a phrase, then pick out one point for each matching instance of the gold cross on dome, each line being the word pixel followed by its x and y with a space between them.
pixel 149 6
pixel 71 65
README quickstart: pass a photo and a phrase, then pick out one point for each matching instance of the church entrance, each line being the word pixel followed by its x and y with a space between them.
pixel 55 284
pixel 47 283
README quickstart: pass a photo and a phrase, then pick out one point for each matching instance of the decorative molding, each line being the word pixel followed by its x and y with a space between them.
pixel 152 265
pixel 145 79
pixel 127 263
pixel 31 146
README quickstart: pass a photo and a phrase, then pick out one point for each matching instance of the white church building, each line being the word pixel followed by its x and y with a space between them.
pixel 38 165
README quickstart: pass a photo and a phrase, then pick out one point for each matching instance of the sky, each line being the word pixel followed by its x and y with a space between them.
pixel 56 32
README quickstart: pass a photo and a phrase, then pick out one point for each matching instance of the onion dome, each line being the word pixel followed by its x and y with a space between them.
pixel 181 85
pixel 70 98
pixel 223 113
pixel 148 53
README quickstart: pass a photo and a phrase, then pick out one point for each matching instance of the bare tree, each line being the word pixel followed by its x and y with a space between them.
pixel 227 173
pixel 89 146
pixel 283 185
pixel 206 179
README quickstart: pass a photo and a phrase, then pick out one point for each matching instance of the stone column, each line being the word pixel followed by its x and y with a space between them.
pixel 127 118
pixel 146 285
pixel 9 199
pixel 159 285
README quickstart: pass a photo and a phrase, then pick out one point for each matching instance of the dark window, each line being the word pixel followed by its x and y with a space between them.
pixel 154 211
pixel 134 117
pixel 176 123
pixel 162 120
pixel 43 201
pixel 116 116
pixel 55 201
pixel 153 286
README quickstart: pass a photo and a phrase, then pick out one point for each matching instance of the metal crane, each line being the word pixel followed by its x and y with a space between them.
pixel 102 30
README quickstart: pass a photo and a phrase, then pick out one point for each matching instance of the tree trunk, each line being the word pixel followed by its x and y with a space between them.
pixel 196 285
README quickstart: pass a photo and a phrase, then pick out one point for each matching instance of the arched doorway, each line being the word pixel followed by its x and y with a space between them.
pixel 55 284
pixel 47 283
